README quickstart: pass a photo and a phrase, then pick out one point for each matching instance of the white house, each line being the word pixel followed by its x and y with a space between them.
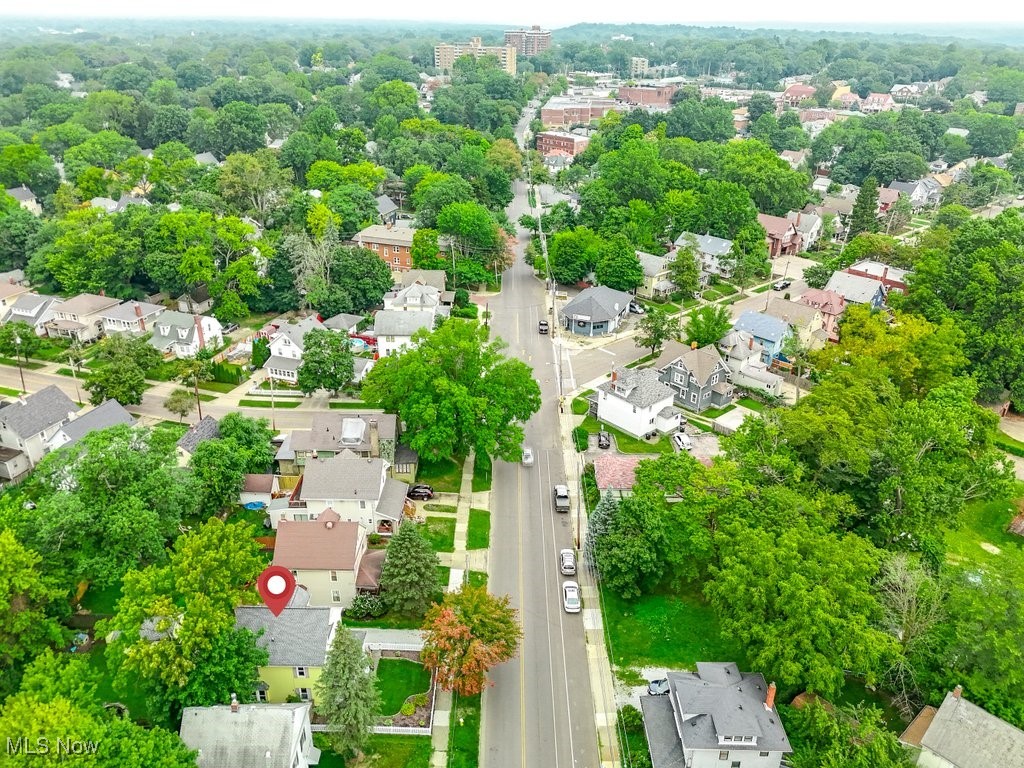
pixel 713 253
pixel 178 334
pixel 744 357
pixel 636 402
pixel 33 309
pixel 417 297
pixel 809 225
pixel 264 735
pixel 131 317
pixel 10 292
pixel 715 717
pixel 26 426
pixel 286 345
pixel 80 318
pixel 26 199
pixel 394 329
pixel 107 414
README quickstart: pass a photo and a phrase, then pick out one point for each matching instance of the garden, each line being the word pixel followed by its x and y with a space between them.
pixel 406 693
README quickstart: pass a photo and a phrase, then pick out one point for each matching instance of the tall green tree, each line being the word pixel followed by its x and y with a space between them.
pixel 253 183
pixel 708 324
pixel 346 694
pixel 407 578
pixel 629 554
pixel 684 270
pixel 456 391
pixel 655 328
pixel 618 266
pixel 327 362
pixel 251 439
pixel 853 738
pixel 220 471
pixel 865 208
pixel 122 377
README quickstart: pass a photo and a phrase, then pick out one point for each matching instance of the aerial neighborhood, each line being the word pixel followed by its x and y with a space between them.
pixel 402 394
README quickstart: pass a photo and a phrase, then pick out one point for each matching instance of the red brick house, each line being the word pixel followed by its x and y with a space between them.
pixel 783 237
pixel 796 93
pixel 549 141
pixel 392 244
pixel 830 304
pixel 647 95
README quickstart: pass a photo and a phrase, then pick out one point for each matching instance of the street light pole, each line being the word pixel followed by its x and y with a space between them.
pixel 273 409
pixel 17 357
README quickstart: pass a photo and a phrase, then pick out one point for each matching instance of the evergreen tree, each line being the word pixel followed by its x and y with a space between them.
pixel 408 578
pixel 865 210
pixel 346 694
pixel 597 525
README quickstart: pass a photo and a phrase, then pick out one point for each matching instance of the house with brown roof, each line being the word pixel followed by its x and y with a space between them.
pixel 877 102
pixel 329 558
pixel 260 489
pixel 890 277
pixel 369 435
pixel 830 304
pixel 392 243
pixel 9 293
pixel 807 322
pixel 616 474
pixel 796 93
pixel 782 236
pixel 80 318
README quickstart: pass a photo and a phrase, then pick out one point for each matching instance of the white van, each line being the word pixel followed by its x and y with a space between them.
pixel 682 441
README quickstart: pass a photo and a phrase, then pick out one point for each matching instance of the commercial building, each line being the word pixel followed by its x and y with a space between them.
pixel 564 111
pixel 528 42
pixel 647 95
pixel 445 54
pixel 570 143
pixel 638 66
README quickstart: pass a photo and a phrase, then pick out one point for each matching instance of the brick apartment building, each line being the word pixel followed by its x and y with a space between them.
pixel 549 141
pixel 563 111
pixel 647 95
pixel 445 54
pixel 391 243
pixel 528 42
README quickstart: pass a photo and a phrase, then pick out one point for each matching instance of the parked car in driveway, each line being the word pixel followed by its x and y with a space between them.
pixel 527 457
pixel 421 492
pixel 636 308
pixel 567 562
pixel 682 441
pixel 604 440
pixel 571 597
pixel 658 687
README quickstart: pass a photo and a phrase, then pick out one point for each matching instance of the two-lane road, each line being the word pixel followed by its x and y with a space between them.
pixel 540 712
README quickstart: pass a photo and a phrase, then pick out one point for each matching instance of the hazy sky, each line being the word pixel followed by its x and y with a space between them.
pixel 876 13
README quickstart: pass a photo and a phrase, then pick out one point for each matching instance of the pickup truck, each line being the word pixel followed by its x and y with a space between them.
pixel 561 498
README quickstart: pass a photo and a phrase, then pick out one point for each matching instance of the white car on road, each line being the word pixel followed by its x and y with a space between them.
pixel 527 457
pixel 571 596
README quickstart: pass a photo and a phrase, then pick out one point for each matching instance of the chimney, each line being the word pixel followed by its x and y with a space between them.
pixel 615 375
pixel 769 699
pixel 798 218
pixel 103 291
pixel 374 439
pixel 138 308
pixel 958 691
pixel 750 343
pixel 197 319
pixel 234 703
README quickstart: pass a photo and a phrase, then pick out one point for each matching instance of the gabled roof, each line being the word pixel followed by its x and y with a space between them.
pixel 804 222
pixel 415 295
pixel 256 735
pixel 200 432
pixel 22 194
pixel 639 388
pixel 343 478
pixel 296 332
pixel 333 431
pixel 740 346
pixel 109 413
pixel 128 311
pixel 792 312
pixel 854 288
pixel 653 265
pixel 762 326
pixel 775 226
pixel 706 244
pixel 966 735
pixel 297 638
pixel 396 322
pixel 258 483
pixel 700 362
pixel 342 322
pixel 829 302
pixel 205 158
pixel 325 544
pixel 31 305
pixel 600 303
pixel 88 304
pixel 37 412
pixel 385 205
pixel 434 277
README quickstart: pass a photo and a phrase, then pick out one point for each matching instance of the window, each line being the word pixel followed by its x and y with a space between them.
pixel 735 764
pixel 373 246
pixel 362 504
pixel 300 517
pixel 301 672
pixel 714 379
pixel 386 250
pixel 764 754
pixel 706 395
pixel 303 694
pixel 261 696
pixel 723 755
pixel 693 397
pixel 334 575
pixel 397 260
pixel 748 739
pixel 678 378
pixel 651 421
pixel 335 596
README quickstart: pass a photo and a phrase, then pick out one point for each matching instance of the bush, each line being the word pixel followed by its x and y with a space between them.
pixel 580 438
pixel 228 373
pixel 408 708
pixel 468 313
pixel 374 539
pixel 367 607
pixel 420 700
pixel 631 720
pixel 461 297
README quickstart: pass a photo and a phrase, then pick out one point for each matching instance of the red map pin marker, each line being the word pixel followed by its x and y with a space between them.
pixel 276 586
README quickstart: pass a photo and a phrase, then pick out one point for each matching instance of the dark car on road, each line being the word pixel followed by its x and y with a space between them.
pixel 421 492
pixel 542 326
pixel 782 285
pixel 604 440
pixel 658 687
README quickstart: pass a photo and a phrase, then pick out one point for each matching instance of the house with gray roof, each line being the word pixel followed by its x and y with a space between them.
pixel 713 254
pixel 596 311
pixel 637 402
pixel 414 298
pixel 770 332
pixel 921 192
pixel 206 158
pixel 743 354
pixel 434 277
pixel 26 199
pixel 264 735
pixel 394 328
pixel 32 309
pixel 107 414
pixel 960 734
pixel 806 321
pixel 298 637
pixel 196 300
pixel 657 283
pixel 27 424
pixel 387 211
pixel 181 334
pixel 357 489
pixel 369 435
pixel 131 317
pixel 698 377
pixel 286 345
pixel 343 323
pixel 715 717
pixel 856 289
pixel 205 429
pixel 80 318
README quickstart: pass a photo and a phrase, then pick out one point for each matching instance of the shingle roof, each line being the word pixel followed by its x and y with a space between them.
pixel 392 498
pixel 395 322
pixel 343 477
pixel 434 277
pixel 244 738
pixel 829 302
pixel 792 312
pixel 263 483
pixel 22 194
pixel 706 244
pixel 205 158
pixel 325 544
pixel 127 311
pixel 385 205
pixel 206 429
pixel 653 265
pixel 877 270
pixel 701 363
pixel 329 429
pixel 296 331
pixel 853 288
pixel 762 326
pixel 600 303
pixel 342 322
pixel 279 363
pixel 966 735
pixel 37 412
pixel 775 226
pixel 644 388
pixel 663 742
pixel 108 414
pixel 415 295
pixel 297 638
pixel 32 303
pixel 88 304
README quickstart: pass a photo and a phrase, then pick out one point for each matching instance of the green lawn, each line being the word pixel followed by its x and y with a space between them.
pixel 68 372
pixel 984 523
pixel 440 532
pixel 248 403
pixel 52 350
pixel 641 361
pixel 464 739
pixel 477 579
pixel 132 699
pixel 479 534
pixel 387 621
pixel 206 398
pixel 177 427
pixel 9 392
pixel 752 404
pixel 1008 444
pixel 350 405
pixel 445 475
pixel 444 575
pixel 397 680
pixel 580 404
pixel 101 601
pixel 29 366
pixel 481 472
pixel 714 413
pixel 449 509
pixel 217 386
pixel 382 751
pixel 762 288
pixel 662 629
pixel 725 289
pixel 627 443
pixel 251 516
pixel 164 371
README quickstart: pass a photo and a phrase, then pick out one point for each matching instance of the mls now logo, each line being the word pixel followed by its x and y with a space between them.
pixel 46 746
